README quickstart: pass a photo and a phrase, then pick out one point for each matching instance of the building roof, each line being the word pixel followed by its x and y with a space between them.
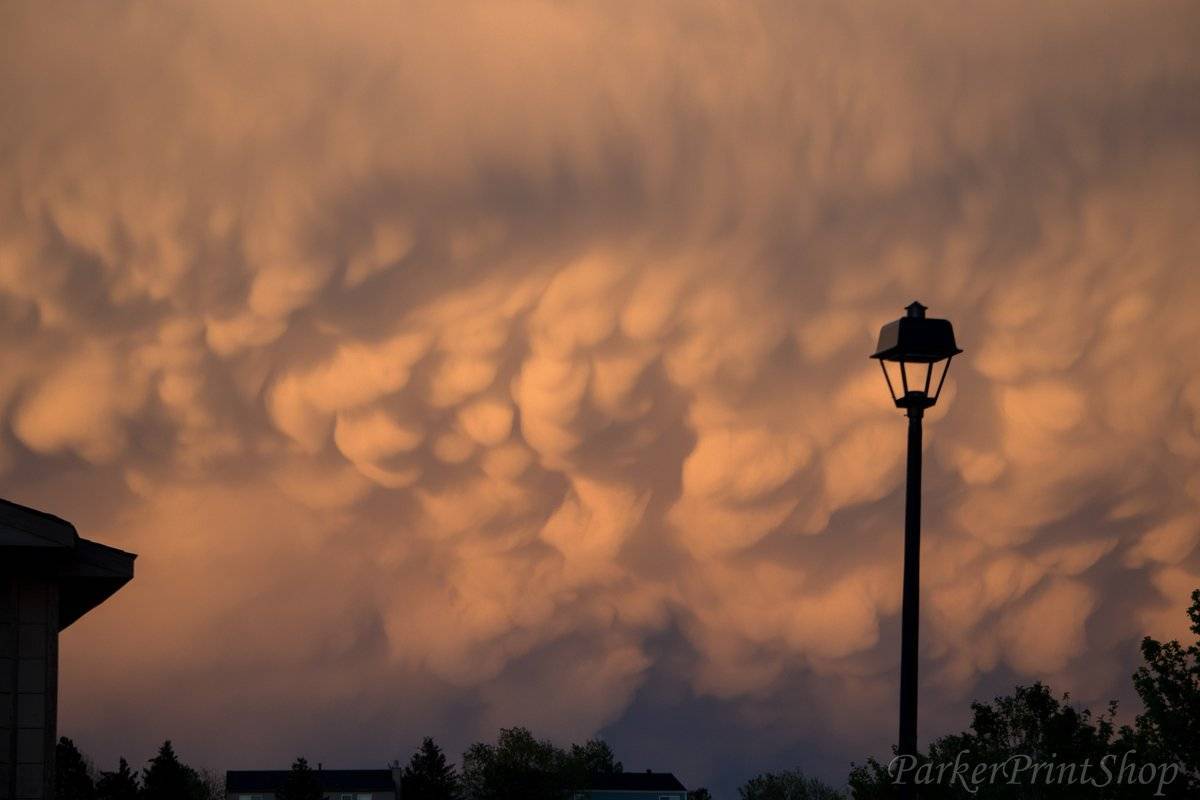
pixel 95 574
pixel 36 543
pixel 331 780
pixel 27 527
pixel 636 782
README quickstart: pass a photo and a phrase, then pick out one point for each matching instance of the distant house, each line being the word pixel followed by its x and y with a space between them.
pixel 634 786
pixel 337 784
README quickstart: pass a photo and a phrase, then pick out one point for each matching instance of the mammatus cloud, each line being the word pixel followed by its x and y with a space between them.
pixel 443 363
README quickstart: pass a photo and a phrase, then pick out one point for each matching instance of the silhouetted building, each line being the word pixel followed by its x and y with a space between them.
pixel 337 784
pixel 633 786
pixel 49 577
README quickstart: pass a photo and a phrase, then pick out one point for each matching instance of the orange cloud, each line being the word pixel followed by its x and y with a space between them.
pixel 518 354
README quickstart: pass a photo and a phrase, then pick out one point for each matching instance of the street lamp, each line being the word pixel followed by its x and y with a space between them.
pixel 914 353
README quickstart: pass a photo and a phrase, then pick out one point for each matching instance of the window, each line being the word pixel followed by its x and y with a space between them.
pixel 364 797
pixel 250 797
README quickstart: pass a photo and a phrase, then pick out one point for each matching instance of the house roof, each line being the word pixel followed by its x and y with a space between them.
pixel 637 782
pixel 331 780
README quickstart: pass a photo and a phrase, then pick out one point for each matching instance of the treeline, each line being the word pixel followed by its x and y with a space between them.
pixel 164 777
pixel 1031 724
pixel 517 765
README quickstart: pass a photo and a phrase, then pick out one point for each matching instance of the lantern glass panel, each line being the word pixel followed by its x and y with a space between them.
pixel 919 374
pixel 894 373
pixel 939 377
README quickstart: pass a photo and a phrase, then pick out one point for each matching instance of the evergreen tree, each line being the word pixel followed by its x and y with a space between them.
pixel 301 783
pixel 168 778
pixel 428 776
pixel 119 785
pixel 72 773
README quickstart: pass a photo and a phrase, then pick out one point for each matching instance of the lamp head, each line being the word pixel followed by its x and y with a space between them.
pixel 910 350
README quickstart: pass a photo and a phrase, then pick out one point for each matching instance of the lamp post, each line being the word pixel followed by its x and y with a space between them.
pixel 909 353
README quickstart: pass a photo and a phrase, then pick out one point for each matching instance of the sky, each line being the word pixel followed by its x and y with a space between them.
pixel 459 366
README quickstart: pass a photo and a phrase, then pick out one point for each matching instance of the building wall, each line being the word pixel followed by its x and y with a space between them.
pixel 28 686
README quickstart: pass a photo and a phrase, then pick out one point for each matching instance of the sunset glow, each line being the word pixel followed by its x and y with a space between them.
pixel 453 366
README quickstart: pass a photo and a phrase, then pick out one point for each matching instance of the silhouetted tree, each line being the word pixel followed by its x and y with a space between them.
pixel 428 776
pixel 72 773
pixel 699 794
pixel 301 783
pixel 213 783
pixel 1033 723
pixel 1029 723
pixel 521 766
pixel 787 785
pixel 517 766
pixel 168 778
pixel 1169 686
pixel 583 761
pixel 119 785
